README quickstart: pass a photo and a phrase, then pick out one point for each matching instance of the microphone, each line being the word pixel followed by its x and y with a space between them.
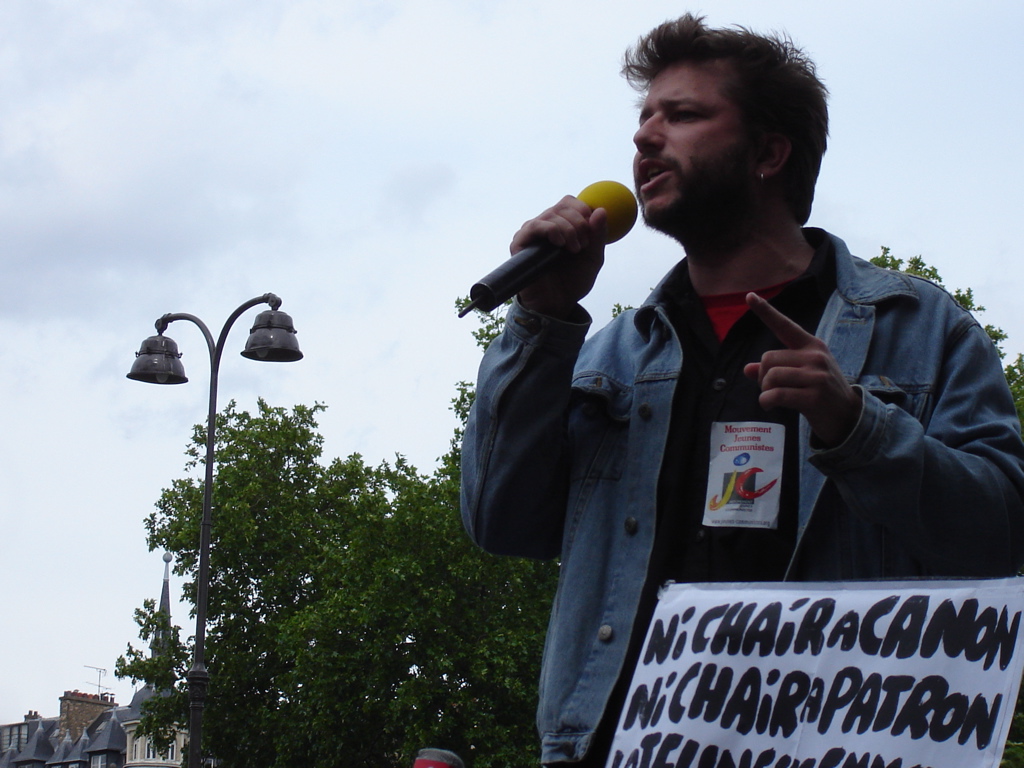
pixel 523 268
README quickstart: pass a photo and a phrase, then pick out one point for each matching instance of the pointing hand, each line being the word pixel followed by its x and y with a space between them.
pixel 803 376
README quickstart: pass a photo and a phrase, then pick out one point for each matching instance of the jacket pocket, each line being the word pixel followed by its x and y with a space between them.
pixel 598 427
pixel 598 432
pixel 913 398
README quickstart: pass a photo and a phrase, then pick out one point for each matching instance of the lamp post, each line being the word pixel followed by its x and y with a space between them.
pixel 272 338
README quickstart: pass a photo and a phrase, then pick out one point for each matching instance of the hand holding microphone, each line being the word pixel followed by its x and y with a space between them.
pixel 556 256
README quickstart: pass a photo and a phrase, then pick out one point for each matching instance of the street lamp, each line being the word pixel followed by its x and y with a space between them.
pixel 272 338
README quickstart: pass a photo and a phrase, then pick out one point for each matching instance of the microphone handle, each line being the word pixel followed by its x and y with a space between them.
pixel 515 273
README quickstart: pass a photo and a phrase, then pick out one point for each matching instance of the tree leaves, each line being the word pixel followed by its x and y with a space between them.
pixel 350 620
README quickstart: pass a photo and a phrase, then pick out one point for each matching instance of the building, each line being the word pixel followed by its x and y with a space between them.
pixel 92 731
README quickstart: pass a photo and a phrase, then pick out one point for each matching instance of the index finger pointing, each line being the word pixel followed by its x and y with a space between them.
pixel 788 332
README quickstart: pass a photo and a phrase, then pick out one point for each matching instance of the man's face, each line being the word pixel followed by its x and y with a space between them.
pixel 694 166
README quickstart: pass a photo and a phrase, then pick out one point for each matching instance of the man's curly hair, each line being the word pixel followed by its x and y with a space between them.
pixel 776 87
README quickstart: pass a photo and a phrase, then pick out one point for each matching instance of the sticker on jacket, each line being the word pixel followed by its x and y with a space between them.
pixel 744 474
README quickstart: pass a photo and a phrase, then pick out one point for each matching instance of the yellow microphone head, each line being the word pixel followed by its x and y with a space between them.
pixel 617 201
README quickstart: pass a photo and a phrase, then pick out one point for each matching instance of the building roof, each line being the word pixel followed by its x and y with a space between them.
pixel 80 751
pixel 38 748
pixel 144 694
pixel 106 733
pixel 60 755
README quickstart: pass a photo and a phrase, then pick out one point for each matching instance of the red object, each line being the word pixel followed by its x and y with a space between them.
pixel 726 308
pixel 437 758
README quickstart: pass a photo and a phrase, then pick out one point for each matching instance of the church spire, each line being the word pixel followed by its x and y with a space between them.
pixel 160 636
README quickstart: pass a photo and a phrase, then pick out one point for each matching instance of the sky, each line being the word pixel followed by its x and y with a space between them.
pixel 367 161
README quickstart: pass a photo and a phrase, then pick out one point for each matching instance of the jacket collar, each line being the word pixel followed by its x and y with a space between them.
pixel 857 281
pixel 860 282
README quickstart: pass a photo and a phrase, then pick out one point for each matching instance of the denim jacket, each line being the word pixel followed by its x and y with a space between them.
pixel 563 451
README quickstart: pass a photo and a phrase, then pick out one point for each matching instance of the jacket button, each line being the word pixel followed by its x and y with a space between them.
pixel 532 325
pixel 644 410
pixel 719 384
pixel 604 634
pixel 631 525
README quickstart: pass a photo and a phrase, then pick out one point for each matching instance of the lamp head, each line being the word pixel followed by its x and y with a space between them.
pixel 158 362
pixel 272 338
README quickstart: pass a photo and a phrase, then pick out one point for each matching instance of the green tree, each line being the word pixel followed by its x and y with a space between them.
pixel 350 619
pixel 164 669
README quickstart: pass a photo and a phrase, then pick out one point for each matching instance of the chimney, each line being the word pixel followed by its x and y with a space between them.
pixel 78 710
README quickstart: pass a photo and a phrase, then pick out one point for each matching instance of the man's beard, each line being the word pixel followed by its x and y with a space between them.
pixel 714 205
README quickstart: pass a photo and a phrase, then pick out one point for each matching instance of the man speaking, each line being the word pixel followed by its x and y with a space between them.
pixel 887 441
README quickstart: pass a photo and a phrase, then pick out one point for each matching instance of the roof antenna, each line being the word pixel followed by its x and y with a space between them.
pixel 100 672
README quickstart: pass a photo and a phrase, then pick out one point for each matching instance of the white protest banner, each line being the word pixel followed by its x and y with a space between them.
pixel 837 675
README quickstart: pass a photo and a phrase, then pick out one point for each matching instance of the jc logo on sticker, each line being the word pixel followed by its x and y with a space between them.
pixel 742 483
